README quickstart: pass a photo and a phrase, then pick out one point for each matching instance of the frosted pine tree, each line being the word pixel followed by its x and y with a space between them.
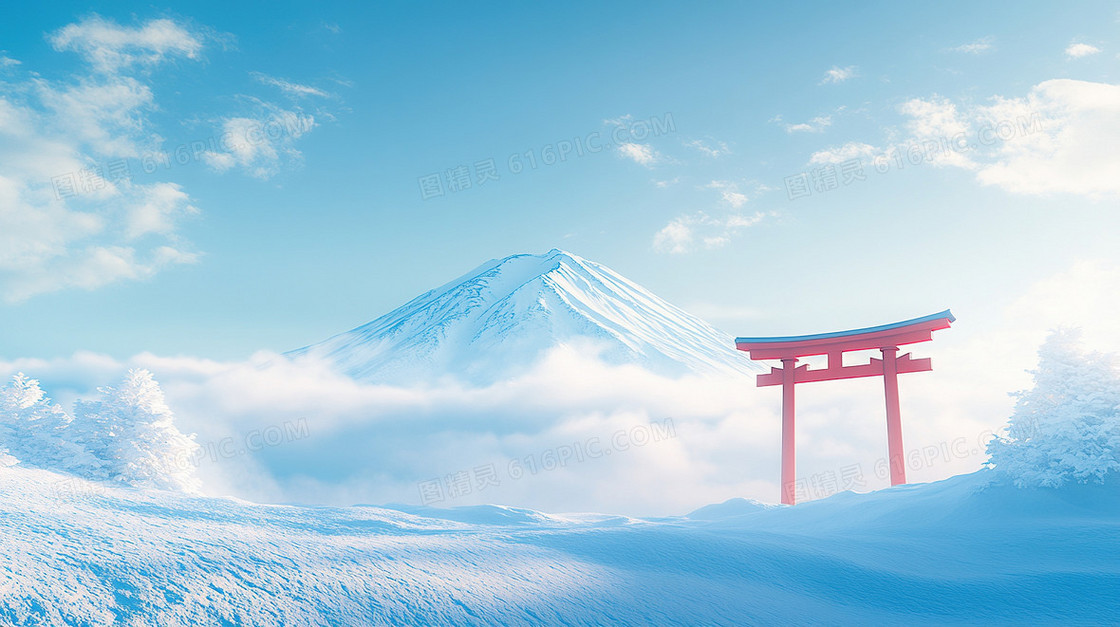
pixel 6 436
pixel 36 431
pixel 131 430
pixel 1067 428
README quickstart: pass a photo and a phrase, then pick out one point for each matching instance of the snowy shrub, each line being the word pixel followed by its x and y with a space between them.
pixel 1067 428
pixel 35 430
pixel 131 432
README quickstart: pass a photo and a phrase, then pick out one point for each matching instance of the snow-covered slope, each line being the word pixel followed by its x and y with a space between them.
pixel 498 320
pixel 955 552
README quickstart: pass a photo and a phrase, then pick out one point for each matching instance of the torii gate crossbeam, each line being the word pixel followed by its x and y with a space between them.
pixel 886 338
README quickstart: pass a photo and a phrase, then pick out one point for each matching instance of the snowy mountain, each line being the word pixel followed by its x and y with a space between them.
pixel 961 551
pixel 500 318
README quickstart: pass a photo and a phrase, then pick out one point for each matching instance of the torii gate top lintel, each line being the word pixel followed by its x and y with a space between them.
pixel 894 334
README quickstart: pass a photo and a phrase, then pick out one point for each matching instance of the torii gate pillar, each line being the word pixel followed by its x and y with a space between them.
pixel 886 338
pixel 895 453
pixel 789 460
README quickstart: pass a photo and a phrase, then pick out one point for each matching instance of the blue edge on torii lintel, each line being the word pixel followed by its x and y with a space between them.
pixel 822 336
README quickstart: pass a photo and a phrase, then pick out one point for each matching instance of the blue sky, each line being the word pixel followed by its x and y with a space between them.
pixel 191 189
pixel 315 221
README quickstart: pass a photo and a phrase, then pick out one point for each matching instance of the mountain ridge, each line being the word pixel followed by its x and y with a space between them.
pixel 501 317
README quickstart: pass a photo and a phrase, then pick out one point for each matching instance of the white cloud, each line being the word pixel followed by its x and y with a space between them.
pixel 714 149
pixel 110 47
pixel 628 136
pixel 49 247
pixel 1079 50
pixel 1071 149
pixel 66 219
pixel 816 125
pixel 703 230
pixel 94 267
pixel 107 115
pixel 642 154
pixel 935 117
pixel 847 152
pixel 355 431
pixel 729 193
pixel 980 46
pixel 262 144
pixel 734 198
pixel 34 230
pixel 839 75
pixel 289 88
pixel 675 237
pixel 1059 138
pixel 6 61
pixel 688 233
pixel 938 120
pixel 157 210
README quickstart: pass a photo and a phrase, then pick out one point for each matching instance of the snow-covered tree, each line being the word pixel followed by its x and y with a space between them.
pixel 1067 428
pixel 35 430
pixel 131 431
pixel 6 436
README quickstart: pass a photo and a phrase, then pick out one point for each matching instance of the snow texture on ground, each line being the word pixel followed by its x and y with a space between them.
pixel 961 551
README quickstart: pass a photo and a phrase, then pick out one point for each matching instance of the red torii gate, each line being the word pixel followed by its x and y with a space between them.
pixel 887 338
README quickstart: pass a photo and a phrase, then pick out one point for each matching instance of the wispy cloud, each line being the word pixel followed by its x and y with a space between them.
pixel 815 125
pixel 622 120
pixel 1078 50
pixel 65 221
pixel 847 152
pixel 106 113
pixel 839 74
pixel 261 143
pixel 980 46
pixel 158 211
pixel 1064 140
pixel 729 193
pixel 712 148
pixel 711 229
pixel 289 88
pixel 700 230
pixel 937 119
pixel 1059 138
pixel 642 154
pixel 109 47
pixel 261 140
pixel 633 139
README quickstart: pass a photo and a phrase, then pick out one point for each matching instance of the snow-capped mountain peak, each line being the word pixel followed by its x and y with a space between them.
pixel 500 318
